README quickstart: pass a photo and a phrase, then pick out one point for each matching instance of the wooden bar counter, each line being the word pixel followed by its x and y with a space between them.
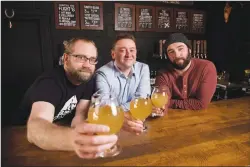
pixel 219 135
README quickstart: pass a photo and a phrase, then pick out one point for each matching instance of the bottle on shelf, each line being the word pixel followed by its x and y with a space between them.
pixel 198 49
pixel 201 49
pixel 205 49
pixel 152 77
pixel 194 49
pixel 160 48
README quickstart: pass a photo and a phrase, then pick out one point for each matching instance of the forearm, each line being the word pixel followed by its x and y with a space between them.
pixel 77 120
pixel 49 136
pixel 187 104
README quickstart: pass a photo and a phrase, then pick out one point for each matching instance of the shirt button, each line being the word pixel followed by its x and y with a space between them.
pixel 185 91
pixel 185 85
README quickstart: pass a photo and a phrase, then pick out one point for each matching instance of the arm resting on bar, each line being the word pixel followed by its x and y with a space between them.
pixel 204 93
pixel 43 133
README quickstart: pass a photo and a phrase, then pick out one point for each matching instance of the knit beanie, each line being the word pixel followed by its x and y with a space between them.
pixel 176 37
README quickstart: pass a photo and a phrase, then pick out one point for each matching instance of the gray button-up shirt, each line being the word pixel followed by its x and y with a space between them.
pixel 110 79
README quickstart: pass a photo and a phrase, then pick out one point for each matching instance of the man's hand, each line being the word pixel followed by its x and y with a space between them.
pixel 132 125
pixel 158 112
pixel 86 144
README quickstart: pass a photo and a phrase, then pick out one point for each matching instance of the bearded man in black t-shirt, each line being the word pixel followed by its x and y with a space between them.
pixel 57 95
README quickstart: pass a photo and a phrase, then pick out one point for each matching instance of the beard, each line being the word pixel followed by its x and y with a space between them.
pixel 80 75
pixel 183 65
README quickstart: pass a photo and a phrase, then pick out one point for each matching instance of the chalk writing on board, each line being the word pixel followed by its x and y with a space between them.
pixel 181 20
pixel 145 18
pixel 91 16
pixel 198 22
pixel 163 18
pixel 67 15
pixel 124 19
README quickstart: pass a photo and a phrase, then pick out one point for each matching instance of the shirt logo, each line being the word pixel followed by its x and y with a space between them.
pixel 67 108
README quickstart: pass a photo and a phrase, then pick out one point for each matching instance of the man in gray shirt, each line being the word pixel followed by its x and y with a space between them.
pixel 125 77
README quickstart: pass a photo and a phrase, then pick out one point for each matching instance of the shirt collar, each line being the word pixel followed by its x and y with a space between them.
pixel 119 73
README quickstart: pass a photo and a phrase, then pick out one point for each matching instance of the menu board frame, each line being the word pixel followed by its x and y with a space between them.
pixel 189 18
pixel 171 19
pixel 56 4
pixel 184 3
pixel 93 3
pixel 138 7
pixel 117 5
pixel 204 21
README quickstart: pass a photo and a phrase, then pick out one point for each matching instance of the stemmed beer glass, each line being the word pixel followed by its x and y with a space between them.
pixel 105 110
pixel 141 108
pixel 159 97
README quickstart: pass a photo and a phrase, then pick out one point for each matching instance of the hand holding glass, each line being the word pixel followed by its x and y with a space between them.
pixel 141 108
pixel 159 97
pixel 104 110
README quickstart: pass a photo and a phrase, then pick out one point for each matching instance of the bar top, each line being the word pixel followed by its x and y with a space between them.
pixel 219 135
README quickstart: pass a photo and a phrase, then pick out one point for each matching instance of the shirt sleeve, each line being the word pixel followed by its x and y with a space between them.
pixel 89 89
pixel 102 84
pixel 46 90
pixel 144 87
pixel 126 106
pixel 204 93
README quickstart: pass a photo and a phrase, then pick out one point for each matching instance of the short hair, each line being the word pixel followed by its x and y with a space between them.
pixel 68 44
pixel 123 36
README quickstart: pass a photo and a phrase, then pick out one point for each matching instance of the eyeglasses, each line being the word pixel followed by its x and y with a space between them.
pixel 84 59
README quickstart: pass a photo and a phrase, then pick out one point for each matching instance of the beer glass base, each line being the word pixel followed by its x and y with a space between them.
pixel 113 151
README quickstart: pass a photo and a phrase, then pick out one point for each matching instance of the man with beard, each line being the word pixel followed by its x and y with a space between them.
pixel 191 82
pixel 125 77
pixel 63 92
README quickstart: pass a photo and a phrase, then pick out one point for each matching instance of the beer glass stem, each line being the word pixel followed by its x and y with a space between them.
pixel 145 128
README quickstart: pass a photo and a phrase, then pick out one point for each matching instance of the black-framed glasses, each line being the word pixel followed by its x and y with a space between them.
pixel 84 59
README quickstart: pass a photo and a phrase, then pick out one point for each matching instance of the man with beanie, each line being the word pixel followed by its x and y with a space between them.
pixel 191 82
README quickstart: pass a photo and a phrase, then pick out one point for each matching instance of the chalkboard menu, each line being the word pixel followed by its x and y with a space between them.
pixel 198 22
pixel 91 15
pixel 182 20
pixel 145 18
pixel 164 19
pixel 124 17
pixel 67 15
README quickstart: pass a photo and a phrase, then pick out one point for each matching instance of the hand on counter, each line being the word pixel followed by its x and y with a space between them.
pixel 87 144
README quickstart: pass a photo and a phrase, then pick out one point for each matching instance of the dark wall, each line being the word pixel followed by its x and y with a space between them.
pixel 228 44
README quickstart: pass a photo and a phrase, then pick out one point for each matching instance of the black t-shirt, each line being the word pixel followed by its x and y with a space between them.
pixel 55 88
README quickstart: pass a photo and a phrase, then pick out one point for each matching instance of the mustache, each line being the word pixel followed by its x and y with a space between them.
pixel 85 69
pixel 177 59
